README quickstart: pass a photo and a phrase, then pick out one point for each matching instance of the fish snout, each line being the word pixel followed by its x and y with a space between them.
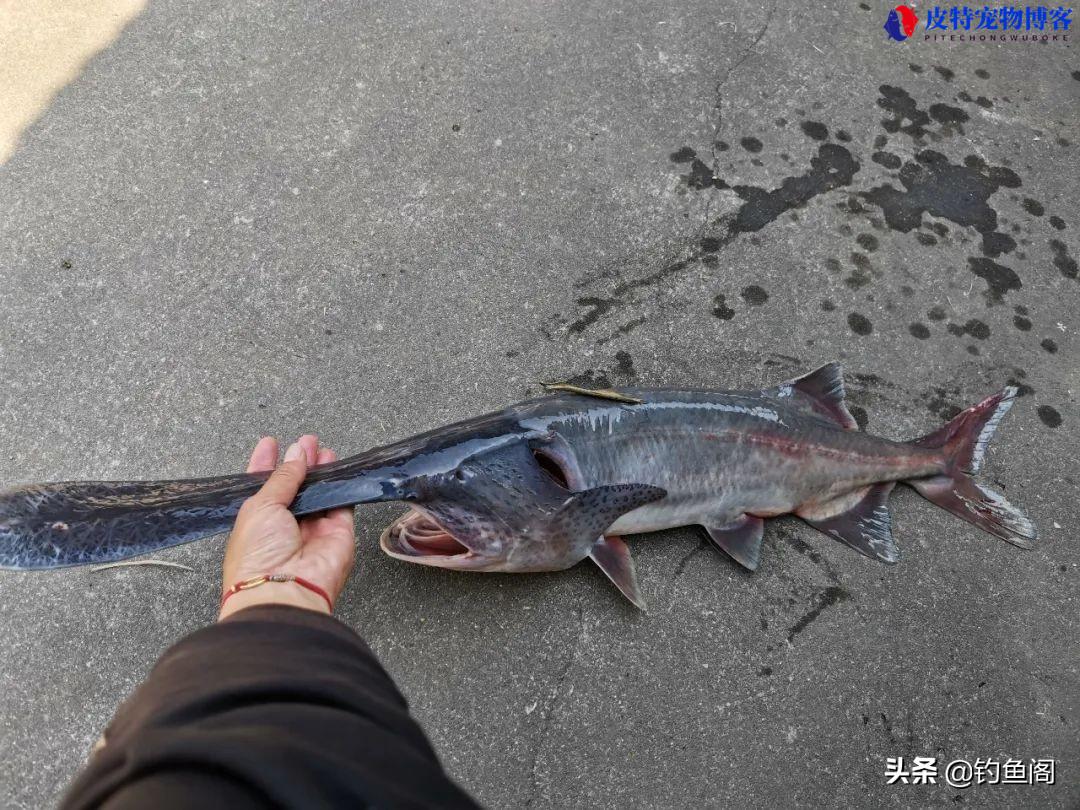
pixel 417 537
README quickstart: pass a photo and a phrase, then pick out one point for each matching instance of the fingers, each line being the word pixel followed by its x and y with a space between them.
pixel 264 456
pixel 325 456
pixel 310 443
pixel 281 487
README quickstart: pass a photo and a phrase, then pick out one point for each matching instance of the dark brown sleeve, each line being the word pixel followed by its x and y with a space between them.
pixel 275 706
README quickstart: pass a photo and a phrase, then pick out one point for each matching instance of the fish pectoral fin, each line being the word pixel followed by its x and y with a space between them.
pixel 587 514
pixel 866 525
pixel 823 391
pixel 740 539
pixel 613 557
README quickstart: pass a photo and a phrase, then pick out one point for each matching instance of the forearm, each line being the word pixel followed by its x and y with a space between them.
pixel 284 706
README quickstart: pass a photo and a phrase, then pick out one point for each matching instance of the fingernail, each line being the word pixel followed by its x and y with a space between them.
pixel 294 452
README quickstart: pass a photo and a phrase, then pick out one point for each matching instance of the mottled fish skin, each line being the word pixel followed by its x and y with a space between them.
pixel 547 482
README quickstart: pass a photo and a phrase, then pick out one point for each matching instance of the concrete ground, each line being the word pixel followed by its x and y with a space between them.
pixel 371 219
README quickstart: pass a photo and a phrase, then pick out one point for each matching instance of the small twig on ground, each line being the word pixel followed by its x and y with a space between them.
pixel 128 563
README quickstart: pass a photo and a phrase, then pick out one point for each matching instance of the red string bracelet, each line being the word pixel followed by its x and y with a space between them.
pixel 255 582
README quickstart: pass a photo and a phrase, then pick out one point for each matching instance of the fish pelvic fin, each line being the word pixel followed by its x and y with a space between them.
pixel 740 539
pixel 866 525
pixel 613 558
pixel 964 441
pixel 822 392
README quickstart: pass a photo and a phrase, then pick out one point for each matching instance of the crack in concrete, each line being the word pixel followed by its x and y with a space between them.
pixel 550 705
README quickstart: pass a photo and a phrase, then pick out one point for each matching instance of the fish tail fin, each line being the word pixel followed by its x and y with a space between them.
pixel 89 522
pixel 964 440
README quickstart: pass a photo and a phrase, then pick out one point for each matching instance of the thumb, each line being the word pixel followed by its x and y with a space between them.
pixel 281 487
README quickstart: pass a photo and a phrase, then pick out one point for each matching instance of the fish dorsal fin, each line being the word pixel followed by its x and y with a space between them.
pixel 613 557
pixel 824 388
pixel 741 539
pixel 866 526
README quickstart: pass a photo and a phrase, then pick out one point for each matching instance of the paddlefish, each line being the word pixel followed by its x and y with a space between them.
pixel 551 481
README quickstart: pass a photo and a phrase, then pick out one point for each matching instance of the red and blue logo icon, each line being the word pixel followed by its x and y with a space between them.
pixel 901 23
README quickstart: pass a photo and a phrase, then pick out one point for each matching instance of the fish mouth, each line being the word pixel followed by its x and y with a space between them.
pixel 418 537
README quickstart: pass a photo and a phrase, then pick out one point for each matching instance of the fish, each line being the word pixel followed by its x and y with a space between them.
pixel 546 483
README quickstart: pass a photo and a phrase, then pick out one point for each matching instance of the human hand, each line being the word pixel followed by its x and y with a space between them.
pixel 267 539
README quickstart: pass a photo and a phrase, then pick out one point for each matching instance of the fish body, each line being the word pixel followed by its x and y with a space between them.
pixel 544 484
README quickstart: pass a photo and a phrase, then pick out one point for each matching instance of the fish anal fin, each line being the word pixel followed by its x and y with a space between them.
pixel 860 519
pixel 740 539
pixel 823 391
pixel 613 557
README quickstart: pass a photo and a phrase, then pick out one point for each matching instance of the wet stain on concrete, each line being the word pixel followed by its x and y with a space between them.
pixel 751 144
pixel 1065 263
pixel 815 130
pixel 1049 416
pixel 624 365
pixel 754 295
pixel 1049 345
pixel 859 324
pixel 919 330
pixel 828 597
pixel 1000 280
pixel 721 310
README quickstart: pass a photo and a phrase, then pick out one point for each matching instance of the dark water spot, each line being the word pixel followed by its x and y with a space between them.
pixel 887 159
pixel 826 598
pixel 683 155
pixel 858 279
pixel 1049 416
pixel 939 403
pixel 1049 345
pixel 949 116
pixel 751 144
pixel 936 313
pixel 940 228
pixel 963 96
pixel 1022 388
pixel 832 264
pixel 1065 263
pixel 982 74
pixel 1022 323
pixel 1020 309
pixel 915 68
pixel 859 414
pixel 933 185
pixel 598 307
pixel 1057 222
pixel 977 329
pixel 919 330
pixel 925 238
pixel 973 349
pixel 456 127
pixel 1063 142
pixel 66 264
pixel 829 306
pixel 780 122
pixel 624 364
pixel 861 261
pixel 843 136
pixel 722 146
pixel 994 243
pixel 832 168
pixel 860 324
pixel 711 244
pixel 757 162
pixel 1000 280
pixel 1033 207
pixel 955 329
pixel 944 72
pixel 867 241
pixel 815 130
pixel 765 672
pixel 899 102
pixel 721 310
pixel 984 102
pixel 754 295
pixel 907 291
pixel 700 175
pixel 864 7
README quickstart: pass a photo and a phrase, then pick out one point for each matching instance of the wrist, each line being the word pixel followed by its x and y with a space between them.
pixel 274 593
